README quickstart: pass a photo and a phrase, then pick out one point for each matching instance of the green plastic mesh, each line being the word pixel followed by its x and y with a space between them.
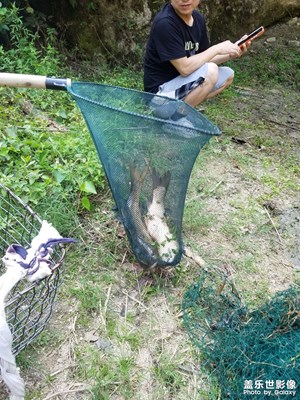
pixel 247 354
pixel 147 145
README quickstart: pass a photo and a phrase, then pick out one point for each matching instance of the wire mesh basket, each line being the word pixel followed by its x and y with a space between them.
pixel 28 306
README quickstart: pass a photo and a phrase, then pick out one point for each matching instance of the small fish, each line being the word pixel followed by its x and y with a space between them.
pixel 155 218
pixel 145 250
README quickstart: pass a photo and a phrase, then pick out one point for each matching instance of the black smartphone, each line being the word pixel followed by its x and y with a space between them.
pixel 250 36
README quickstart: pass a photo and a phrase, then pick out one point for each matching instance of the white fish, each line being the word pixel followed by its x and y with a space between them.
pixel 133 202
pixel 144 250
pixel 156 221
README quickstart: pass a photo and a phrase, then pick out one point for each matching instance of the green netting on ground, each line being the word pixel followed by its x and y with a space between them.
pixel 248 354
pixel 147 145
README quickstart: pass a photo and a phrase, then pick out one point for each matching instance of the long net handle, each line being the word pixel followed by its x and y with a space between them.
pixel 33 81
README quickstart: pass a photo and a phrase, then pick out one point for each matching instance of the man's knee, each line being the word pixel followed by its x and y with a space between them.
pixel 212 74
pixel 229 80
pixel 226 76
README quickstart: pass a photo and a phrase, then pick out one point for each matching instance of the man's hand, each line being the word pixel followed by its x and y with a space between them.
pixel 227 48
pixel 244 47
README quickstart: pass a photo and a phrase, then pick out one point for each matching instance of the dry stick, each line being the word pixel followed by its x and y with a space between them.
pixel 211 191
pixel 272 222
pixel 134 299
pixel 247 91
pixel 188 370
pixel 50 383
pixel 107 299
pixel 66 392
pixel 62 370
pixel 58 395
pixel 198 260
pixel 103 314
pixel 124 257
pixel 126 310
pixel 282 124
pixel 74 323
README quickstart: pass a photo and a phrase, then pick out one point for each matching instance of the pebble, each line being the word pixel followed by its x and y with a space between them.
pixel 293 21
pixel 271 39
pixel 294 43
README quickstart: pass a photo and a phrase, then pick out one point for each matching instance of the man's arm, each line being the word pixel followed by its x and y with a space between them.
pixel 218 54
pixel 220 59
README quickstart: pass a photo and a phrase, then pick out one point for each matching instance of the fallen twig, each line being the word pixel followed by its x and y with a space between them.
pixel 282 124
pixel 188 370
pixel 208 194
pixel 198 260
pixel 246 91
pixel 62 370
pixel 52 396
pixel 272 222
pixel 135 300
pixel 104 310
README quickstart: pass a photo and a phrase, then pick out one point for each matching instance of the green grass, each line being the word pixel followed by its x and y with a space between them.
pixel 269 66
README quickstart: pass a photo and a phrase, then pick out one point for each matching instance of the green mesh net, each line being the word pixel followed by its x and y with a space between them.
pixel 247 354
pixel 147 145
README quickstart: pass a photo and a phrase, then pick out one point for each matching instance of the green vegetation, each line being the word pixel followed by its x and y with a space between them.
pixel 43 137
pixel 269 65
pixel 118 332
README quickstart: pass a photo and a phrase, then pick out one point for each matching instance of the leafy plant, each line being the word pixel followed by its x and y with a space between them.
pixel 48 151
pixel 26 54
pixel 3 13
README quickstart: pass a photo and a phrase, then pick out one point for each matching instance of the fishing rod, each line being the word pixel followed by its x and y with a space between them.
pixel 33 81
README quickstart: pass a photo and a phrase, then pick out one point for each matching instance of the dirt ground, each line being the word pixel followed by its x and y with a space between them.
pixel 54 375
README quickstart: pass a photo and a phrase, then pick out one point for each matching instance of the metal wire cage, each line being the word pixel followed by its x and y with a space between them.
pixel 28 306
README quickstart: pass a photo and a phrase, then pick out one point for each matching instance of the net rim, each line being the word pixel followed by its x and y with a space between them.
pixel 149 117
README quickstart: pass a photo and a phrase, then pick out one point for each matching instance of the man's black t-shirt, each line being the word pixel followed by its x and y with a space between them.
pixel 171 38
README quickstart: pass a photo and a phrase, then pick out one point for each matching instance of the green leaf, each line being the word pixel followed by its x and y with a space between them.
pixel 11 132
pixel 86 203
pixel 59 176
pixel 62 114
pixel 30 10
pixel 88 187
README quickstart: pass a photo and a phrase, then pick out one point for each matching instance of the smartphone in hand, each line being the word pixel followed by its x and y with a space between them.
pixel 251 36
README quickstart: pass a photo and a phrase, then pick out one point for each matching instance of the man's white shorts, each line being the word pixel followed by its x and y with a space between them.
pixel 180 87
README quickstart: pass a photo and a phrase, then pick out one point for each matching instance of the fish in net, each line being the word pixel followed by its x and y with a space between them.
pixel 147 145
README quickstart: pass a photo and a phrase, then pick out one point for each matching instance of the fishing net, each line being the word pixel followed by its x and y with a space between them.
pixel 247 354
pixel 28 306
pixel 147 145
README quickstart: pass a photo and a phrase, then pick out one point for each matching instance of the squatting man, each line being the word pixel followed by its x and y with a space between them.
pixel 179 61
